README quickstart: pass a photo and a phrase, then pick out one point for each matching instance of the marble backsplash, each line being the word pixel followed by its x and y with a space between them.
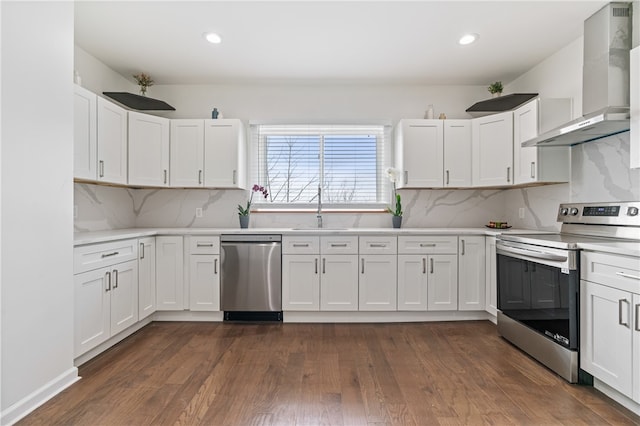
pixel 600 172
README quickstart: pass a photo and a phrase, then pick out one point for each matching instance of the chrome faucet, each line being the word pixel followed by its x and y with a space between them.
pixel 319 213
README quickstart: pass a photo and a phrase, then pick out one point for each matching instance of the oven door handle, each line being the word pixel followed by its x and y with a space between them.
pixel 536 254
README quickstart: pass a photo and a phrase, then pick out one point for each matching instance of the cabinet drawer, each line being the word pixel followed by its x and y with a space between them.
pixel 339 245
pixel 94 256
pixel 440 244
pixel 622 272
pixel 303 244
pixel 204 244
pixel 378 244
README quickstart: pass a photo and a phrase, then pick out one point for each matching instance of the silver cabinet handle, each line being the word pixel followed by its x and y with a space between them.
pixel 316 262
pixel 462 252
pixel 101 164
pixel 141 250
pixel 110 254
pixel 424 265
pixel 362 262
pixel 324 265
pixel 447 177
pixel 508 174
pixel 165 176
pixel 338 245
pixel 427 244
pixel 204 244
pixel 406 177
pixel 107 279
pixel 374 245
pixel 533 169
pixel 115 278
pixel 620 321
pixel 431 264
pixel 199 177
pixel 638 317
pixel 301 245
pixel 625 275
pixel 234 176
pixel 215 266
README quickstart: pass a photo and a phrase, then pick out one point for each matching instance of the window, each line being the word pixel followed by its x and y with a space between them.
pixel 346 162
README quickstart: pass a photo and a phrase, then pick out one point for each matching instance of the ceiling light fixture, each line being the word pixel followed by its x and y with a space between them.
pixel 468 39
pixel 213 38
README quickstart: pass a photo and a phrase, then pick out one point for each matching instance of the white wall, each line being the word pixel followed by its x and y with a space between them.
pixel 97 77
pixel 37 227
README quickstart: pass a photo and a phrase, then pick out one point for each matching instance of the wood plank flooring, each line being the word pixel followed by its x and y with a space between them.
pixel 447 373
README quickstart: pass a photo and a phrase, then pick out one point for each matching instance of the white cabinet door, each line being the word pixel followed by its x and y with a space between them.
pixel 339 283
pixel 471 274
pixel 85 148
pixel 457 153
pixel 606 333
pixel 443 282
pixel 146 277
pixel 204 280
pixel 169 273
pixel 378 283
pixel 112 142
pixel 124 296
pixel 187 153
pixel 224 154
pixel 635 108
pixel 420 153
pixel 492 150
pixel 300 282
pixel 491 277
pixel 412 282
pixel 532 164
pixel 92 309
pixel 148 150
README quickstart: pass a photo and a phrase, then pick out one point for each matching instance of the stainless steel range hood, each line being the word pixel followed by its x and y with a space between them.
pixel 605 81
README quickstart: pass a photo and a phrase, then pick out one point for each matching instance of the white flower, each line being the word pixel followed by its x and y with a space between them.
pixel 392 174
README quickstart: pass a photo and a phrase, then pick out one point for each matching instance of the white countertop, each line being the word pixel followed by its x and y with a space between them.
pixel 628 248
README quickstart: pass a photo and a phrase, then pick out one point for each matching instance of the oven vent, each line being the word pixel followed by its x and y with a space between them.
pixel 620 12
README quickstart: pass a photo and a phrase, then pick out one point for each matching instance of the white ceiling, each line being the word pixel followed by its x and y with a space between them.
pixel 391 42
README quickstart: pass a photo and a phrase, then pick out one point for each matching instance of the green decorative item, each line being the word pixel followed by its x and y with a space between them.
pixel 396 210
pixel 243 212
pixel 495 88
pixel 144 81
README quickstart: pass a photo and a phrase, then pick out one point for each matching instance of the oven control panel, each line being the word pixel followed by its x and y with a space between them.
pixel 611 213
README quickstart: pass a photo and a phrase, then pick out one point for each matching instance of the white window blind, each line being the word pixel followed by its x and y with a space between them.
pixel 346 161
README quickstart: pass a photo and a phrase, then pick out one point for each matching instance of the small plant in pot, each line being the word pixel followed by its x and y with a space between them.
pixel 495 88
pixel 243 212
pixel 396 211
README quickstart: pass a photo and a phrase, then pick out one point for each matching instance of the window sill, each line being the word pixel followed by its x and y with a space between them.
pixel 324 211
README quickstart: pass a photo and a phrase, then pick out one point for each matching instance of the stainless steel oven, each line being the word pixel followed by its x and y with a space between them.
pixel 539 281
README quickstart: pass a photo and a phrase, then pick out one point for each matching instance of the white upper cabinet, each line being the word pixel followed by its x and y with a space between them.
pixel 148 150
pixel 420 153
pixel 224 154
pixel 457 153
pixel 532 164
pixel 492 150
pixel 635 107
pixel 187 153
pixel 112 142
pixel 85 154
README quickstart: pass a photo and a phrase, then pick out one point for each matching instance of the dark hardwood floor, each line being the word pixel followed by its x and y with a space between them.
pixel 447 373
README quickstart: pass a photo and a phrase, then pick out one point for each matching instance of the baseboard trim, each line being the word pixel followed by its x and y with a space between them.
pixel 383 317
pixel 621 399
pixel 26 405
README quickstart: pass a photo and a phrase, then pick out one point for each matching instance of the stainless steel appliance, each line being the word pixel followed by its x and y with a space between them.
pixel 539 277
pixel 251 277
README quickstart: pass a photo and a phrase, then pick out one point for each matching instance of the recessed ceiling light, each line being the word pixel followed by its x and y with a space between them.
pixel 213 38
pixel 468 39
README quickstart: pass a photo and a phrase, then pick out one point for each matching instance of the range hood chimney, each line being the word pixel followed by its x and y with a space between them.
pixel 605 81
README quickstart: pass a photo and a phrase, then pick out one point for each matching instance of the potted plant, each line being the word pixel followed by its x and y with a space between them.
pixel 144 81
pixel 396 211
pixel 495 88
pixel 243 212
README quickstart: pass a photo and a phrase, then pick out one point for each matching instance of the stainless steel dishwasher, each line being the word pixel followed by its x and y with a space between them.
pixel 251 277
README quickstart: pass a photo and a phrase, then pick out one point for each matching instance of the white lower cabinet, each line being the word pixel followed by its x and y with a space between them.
pixel 610 321
pixel 471 273
pixel 378 282
pixel 300 282
pixel 442 294
pixel 339 283
pixel 204 272
pixel 146 277
pixel 413 282
pixel 106 303
pixel 169 273
pixel 491 276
